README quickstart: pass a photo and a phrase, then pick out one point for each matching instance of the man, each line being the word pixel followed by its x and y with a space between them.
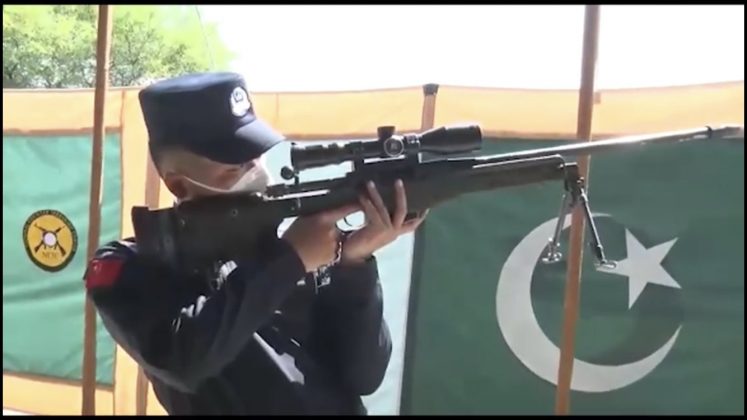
pixel 261 335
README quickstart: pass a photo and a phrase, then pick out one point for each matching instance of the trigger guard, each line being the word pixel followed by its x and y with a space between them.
pixel 350 228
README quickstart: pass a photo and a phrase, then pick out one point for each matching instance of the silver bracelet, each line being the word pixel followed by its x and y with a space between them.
pixel 322 276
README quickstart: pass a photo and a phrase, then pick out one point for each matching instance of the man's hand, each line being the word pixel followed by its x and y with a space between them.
pixel 315 237
pixel 381 229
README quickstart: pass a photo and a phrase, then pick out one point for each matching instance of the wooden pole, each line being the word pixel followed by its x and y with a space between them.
pixel 152 200
pixel 103 44
pixel 141 393
pixel 575 255
pixel 428 118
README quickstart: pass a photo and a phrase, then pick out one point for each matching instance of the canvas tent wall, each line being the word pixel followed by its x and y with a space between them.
pixel 45 121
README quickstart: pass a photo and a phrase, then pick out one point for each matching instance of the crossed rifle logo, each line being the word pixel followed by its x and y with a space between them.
pixel 49 240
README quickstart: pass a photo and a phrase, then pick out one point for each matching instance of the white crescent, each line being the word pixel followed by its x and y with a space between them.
pixel 518 324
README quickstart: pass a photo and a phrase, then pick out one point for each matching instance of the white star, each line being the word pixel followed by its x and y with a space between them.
pixel 643 266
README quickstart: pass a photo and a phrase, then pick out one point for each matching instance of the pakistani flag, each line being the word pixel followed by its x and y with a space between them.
pixel 663 333
pixel 476 317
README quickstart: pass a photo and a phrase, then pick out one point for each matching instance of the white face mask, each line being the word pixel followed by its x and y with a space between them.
pixel 255 180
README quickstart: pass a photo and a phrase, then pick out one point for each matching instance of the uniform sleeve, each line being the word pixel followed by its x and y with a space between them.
pixel 350 326
pixel 183 344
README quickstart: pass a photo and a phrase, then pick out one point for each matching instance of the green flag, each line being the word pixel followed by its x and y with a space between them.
pixel 663 333
pixel 46 187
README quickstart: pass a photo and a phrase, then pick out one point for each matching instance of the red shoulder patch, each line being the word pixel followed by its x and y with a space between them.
pixel 102 272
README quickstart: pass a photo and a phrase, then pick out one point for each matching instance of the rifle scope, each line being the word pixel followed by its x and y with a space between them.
pixel 442 140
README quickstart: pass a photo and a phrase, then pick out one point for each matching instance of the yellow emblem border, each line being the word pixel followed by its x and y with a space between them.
pixel 67 223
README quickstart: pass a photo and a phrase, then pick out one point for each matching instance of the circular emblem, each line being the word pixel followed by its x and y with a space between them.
pixel 240 104
pixel 50 240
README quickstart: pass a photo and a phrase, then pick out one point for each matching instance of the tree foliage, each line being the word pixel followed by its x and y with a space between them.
pixel 55 46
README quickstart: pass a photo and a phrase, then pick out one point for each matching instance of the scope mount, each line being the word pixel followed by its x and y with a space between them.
pixel 389 146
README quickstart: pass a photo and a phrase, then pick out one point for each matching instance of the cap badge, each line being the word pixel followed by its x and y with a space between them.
pixel 240 104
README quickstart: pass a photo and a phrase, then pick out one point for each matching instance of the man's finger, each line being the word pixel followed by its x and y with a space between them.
pixel 413 224
pixel 332 216
pixel 372 215
pixel 400 211
pixel 375 197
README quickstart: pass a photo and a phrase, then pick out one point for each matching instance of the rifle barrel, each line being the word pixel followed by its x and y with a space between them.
pixel 586 148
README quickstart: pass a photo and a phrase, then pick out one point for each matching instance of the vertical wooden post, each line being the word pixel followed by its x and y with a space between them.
pixel 575 256
pixel 141 393
pixel 152 200
pixel 429 106
pixel 103 43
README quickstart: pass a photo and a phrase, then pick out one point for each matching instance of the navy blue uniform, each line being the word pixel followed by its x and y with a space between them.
pixel 247 337
pixel 252 337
